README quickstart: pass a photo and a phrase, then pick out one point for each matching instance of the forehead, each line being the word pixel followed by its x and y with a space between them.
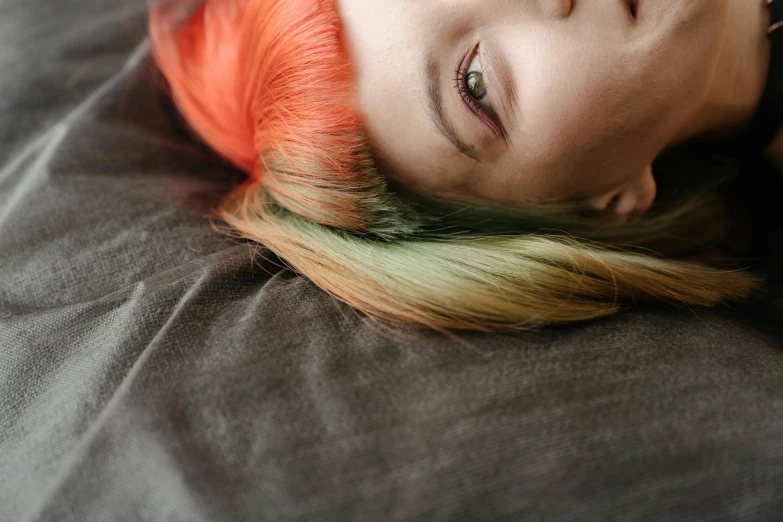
pixel 376 31
pixel 388 43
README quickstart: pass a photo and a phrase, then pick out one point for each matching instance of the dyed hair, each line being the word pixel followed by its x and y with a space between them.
pixel 268 85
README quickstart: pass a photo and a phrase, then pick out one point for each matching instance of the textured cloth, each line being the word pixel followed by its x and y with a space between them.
pixel 150 371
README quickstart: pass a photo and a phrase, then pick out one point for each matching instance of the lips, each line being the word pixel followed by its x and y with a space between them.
pixel 633 5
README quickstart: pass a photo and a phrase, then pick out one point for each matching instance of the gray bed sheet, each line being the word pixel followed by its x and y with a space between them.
pixel 150 371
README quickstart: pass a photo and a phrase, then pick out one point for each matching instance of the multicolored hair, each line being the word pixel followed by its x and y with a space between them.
pixel 268 85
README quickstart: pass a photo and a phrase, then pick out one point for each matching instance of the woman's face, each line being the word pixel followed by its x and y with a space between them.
pixel 531 101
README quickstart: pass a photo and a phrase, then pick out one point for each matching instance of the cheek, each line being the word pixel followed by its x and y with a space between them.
pixel 576 85
pixel 589 132
pixel 576 116
pixel 600 105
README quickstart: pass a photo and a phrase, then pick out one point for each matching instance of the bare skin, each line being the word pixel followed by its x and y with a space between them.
pixel 543 101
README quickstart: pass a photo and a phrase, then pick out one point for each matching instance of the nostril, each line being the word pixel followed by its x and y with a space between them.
pixel 611 206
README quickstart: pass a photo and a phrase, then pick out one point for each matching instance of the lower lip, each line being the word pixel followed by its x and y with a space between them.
pixel 636 5
pixel 632 6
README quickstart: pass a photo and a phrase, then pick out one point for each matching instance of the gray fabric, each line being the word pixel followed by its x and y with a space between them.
pixel 148 371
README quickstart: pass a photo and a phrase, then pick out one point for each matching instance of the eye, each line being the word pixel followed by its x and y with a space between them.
pixel 474 82
pixel 472 88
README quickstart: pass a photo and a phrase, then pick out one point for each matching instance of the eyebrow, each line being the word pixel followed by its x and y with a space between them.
pixel 437 112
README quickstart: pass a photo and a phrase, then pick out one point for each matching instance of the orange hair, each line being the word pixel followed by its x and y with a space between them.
pixel 267 84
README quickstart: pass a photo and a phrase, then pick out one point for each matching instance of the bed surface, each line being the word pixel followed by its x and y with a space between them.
pixel 150 371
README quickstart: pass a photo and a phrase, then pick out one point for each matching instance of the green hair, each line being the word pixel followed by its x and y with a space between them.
pixel 266 83
pixel 450 265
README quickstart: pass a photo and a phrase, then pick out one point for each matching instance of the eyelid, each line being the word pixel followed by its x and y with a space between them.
pixel 485 114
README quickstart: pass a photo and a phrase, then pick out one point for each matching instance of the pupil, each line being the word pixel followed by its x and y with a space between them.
pixel 475 84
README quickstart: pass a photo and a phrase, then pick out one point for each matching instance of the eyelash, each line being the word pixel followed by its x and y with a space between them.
pixel 486 115
pixel 463 92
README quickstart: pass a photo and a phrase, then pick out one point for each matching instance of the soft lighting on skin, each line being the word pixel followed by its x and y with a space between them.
pixel 588 94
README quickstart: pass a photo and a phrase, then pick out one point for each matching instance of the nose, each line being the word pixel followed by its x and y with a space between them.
pixel 631 201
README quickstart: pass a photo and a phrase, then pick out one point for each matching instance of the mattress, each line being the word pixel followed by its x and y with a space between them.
pixel 152 368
